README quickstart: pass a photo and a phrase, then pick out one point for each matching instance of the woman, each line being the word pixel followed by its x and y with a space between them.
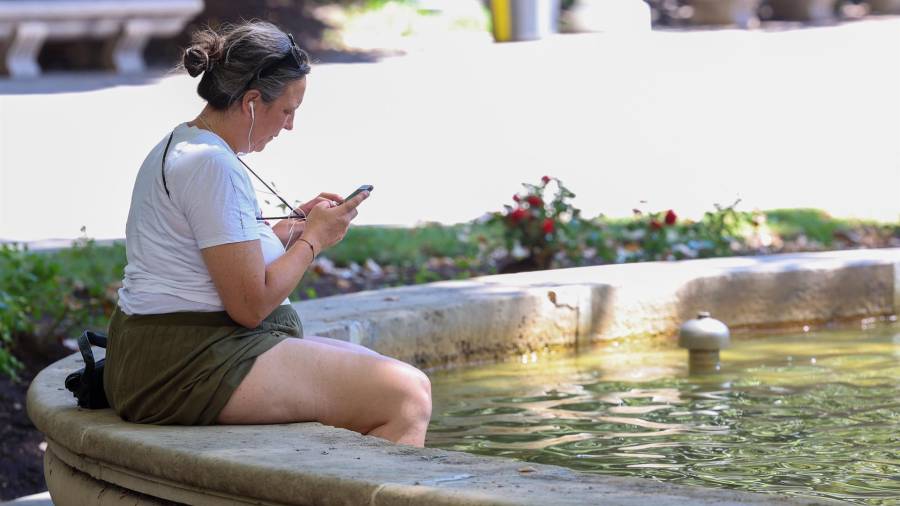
pixel 203 332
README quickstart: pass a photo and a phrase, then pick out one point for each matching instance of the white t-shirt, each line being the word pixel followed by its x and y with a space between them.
pixel 211 201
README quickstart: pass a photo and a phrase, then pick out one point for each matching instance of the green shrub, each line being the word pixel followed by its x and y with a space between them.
pixel 27 283
pixel 722 232
pixel 813 223
pixel 47 296
pixel 663 235
pixel 93 273
pixel 402 246
pixel 12 319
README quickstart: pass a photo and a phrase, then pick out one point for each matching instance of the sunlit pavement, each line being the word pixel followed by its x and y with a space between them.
pixel 42 499
pixel 682 120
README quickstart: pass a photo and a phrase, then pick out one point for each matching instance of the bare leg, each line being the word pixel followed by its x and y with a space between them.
pixel 343 344
pixel 302 380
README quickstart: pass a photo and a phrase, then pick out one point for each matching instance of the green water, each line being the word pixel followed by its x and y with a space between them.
pixel 815 414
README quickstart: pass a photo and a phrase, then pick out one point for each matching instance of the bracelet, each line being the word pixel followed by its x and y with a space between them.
pixel 311 247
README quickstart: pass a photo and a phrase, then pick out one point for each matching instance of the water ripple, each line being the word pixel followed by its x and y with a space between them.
pixel 774 421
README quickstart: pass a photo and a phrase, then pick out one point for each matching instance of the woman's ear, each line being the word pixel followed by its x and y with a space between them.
pixel 249 98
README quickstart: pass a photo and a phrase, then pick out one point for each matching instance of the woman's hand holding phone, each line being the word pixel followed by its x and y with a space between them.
pixel 327 225
pixel 305 208
pixel 364 188
pixel 331 198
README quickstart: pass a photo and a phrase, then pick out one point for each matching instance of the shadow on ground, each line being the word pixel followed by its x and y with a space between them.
pixel 71 82
pixel 74 81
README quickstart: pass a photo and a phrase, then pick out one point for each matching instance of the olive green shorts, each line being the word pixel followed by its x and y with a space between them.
pixel 181 368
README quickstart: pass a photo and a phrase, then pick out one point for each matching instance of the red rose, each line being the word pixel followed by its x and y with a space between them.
pixel 534 201
pixel 516 198
pixel 517 215
pixel 671 217
pixel 655 225
pixel 545 179
pixel 548 226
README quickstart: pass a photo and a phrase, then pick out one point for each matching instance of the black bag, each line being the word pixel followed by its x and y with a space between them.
pixel 86 384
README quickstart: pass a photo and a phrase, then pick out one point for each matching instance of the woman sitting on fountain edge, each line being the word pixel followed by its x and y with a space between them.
pixel 203 332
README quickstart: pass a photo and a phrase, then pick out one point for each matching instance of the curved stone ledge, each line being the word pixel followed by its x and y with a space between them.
pixel 95 455
pixel 74 487
pixel 93 452
pixel 458 322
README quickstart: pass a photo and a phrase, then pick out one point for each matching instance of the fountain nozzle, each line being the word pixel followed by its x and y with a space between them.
pixel 704 337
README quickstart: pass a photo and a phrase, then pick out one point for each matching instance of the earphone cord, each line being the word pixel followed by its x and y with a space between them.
pixel 293 211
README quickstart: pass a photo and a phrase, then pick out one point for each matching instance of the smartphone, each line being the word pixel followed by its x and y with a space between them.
pixel 363 188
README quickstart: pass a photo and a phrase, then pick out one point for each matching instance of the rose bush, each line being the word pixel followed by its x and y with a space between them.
pixel 663 235
pixel 649 236
pixel 539 227
pixel 540 232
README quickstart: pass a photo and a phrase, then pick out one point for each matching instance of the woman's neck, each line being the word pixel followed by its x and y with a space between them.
pixel 219 123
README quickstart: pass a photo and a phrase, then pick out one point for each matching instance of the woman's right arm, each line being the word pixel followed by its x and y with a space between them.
pixel 249 289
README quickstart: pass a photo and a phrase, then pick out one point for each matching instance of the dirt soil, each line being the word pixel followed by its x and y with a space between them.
pixel 21 459
pixel 21 445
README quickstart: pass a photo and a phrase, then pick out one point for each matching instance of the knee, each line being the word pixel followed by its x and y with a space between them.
pixel 424 394
pixel 414 389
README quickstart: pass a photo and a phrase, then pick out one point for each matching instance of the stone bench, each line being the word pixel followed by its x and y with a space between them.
pixel 128 24
pixel 94 458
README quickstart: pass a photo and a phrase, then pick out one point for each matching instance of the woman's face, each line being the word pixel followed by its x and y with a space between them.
pixel 273 117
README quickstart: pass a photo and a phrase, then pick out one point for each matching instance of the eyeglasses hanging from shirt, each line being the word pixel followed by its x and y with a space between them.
pixel 296 214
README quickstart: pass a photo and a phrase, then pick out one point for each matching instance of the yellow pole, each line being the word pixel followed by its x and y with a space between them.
pixel 502 19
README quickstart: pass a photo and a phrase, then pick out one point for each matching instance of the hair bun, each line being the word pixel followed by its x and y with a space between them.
pixel 206 48
pixel 196 61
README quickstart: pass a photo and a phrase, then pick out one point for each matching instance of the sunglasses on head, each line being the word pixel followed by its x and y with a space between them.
pixel 295 57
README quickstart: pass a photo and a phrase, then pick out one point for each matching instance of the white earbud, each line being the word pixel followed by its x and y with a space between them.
pixel 250 133
pixel 252 122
